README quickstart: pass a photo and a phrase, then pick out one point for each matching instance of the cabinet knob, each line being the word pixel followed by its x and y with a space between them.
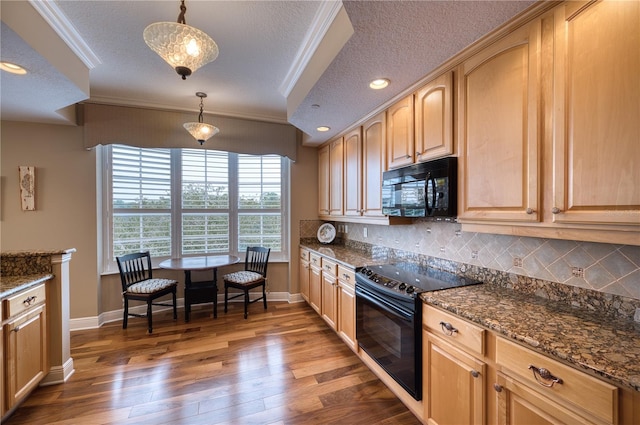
pixel 475 373
pixel 29 300
pixel 408 156
pixel 418 153
pixel 555 210
pixel 497 387
pixel 530 211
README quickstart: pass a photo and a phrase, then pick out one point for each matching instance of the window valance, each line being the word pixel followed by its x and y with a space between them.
pixel 151 128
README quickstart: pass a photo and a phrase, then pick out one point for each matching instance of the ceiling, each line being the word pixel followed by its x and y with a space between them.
pixel 307 63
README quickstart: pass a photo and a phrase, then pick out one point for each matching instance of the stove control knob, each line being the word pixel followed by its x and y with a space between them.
pixel 410 289
pixel 402 286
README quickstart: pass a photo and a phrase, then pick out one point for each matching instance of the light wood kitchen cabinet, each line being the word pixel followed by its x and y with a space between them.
pixel 329 306
pixel 303 273
pixel 3 408
pixel 373 164
pixel 26 360
pixel 434 119
pixel 315 282
pixel 347 306
pixel 596 93
pixel 336 177
pixel 534 389
pixel 454 371
pixel 400 137
pixel 323 180
pixel 353 173
pixel 498 103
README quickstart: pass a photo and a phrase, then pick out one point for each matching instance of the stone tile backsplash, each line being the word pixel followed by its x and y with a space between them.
pixel 607 268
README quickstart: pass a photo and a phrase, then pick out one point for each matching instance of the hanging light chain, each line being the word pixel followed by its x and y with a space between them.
pixel 183 10
pixel 201 107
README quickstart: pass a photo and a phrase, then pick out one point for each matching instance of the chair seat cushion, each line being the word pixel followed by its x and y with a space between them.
pixel 150 285
pixel 243 277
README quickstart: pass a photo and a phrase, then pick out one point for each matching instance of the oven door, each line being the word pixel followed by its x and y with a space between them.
pixel 390 334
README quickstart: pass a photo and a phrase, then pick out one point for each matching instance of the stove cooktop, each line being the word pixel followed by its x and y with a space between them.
pixel 411 278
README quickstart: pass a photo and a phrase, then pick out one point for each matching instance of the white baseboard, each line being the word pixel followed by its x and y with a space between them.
pixel 95 322
pixel 58 374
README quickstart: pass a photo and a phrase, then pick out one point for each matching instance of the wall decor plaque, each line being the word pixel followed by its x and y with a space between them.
pixel 27 187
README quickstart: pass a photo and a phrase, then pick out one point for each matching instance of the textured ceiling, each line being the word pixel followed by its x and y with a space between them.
pixel 266 47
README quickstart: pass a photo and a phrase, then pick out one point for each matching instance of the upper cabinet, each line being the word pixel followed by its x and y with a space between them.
pixel 596 131
pixel 400 142
pixel 353 173
pixel 336 176
pixel 498 99
pixel 373 160
pixel 434 119
pixel 323 180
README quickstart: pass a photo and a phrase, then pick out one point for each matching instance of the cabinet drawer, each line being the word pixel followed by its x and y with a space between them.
pixel 315 260
pixel 22 301
pixel 329 266
pixel 304 254
pixel 453 329
pixel 347 276
pixel 579 389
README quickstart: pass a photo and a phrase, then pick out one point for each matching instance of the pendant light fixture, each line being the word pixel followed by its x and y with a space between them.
pixel 183 47
pixel 201 131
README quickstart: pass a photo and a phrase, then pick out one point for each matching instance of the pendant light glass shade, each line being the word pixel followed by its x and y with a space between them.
pixel 199 130
pixel 183 47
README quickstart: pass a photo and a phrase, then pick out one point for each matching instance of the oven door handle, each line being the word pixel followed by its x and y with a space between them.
pixel 383 304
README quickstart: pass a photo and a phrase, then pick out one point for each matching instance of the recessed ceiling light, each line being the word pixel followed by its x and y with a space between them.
pixel 379 83
pixel 12 68
pixel 323 128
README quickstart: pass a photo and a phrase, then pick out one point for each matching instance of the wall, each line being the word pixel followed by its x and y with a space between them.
pixel 67 210
pixel 65 215
pixel 608 268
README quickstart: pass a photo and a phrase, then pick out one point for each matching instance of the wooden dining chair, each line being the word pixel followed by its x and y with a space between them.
pixel 253 276
pixel 138 284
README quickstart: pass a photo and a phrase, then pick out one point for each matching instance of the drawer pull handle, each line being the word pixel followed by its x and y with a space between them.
pixel 447 328
pixel 28 301
pixel 545 375
pixel 475 373
pixel 497 387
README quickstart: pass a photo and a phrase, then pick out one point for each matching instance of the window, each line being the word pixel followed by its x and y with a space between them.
pixel 182 202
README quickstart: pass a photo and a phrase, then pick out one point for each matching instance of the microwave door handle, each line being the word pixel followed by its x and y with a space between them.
pixel 430 205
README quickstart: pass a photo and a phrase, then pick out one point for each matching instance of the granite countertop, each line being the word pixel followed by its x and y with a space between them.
pixel 604 347
pixel 10 285
pixel 37 252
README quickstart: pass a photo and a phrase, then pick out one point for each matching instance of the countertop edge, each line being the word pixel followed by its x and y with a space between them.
pixel 10 285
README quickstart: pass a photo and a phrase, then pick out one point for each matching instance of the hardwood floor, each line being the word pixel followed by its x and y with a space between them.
pixel 282 366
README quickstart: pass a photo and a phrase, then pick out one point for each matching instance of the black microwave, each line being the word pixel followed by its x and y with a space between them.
pixel 426 189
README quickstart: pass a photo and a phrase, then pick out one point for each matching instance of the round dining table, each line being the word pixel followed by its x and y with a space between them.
pixel 200 292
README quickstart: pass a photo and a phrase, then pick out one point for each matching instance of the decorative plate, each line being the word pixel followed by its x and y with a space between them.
pixel 326 233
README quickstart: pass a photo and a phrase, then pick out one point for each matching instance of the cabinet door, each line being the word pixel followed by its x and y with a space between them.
pixel 303 271
pixel 373 160
pixel 518 404
pixel 453 384
pixel 400 141
pixel 315 288
pixel 347 307
pixel 597 99
pixel 2 380
pixel 26 354
pixel 434 118
pixel 323 180
pixel 498 129
pixel 336 178
pixel 328 308
pixel 353 173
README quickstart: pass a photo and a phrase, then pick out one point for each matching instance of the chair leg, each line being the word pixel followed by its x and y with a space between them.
pixel 126 313
pixel 246 302
pixel 264 296
pixel 226 295
pixel 149 316
pixel 175 308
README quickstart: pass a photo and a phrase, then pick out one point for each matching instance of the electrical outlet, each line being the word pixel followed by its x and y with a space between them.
pixel 517 262
pixel 365 232
pixel 577 272
pixel 474 254
pixel 345 228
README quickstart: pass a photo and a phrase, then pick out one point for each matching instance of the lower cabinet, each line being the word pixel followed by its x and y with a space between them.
pixel 315 283
pixel 303 273
pixel 25 357
pixel 347 306
pixel 329 307
pixel 534 389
